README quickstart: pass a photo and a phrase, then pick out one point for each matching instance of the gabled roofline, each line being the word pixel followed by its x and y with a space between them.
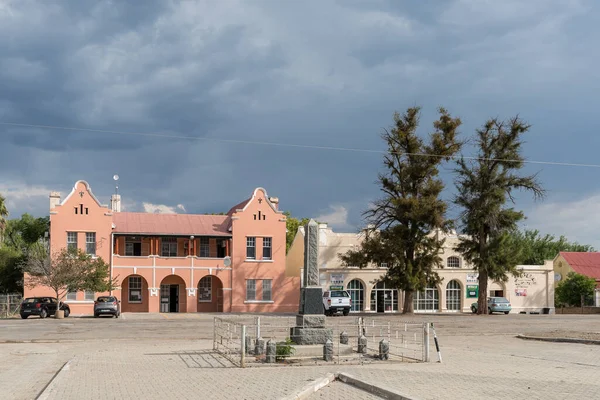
pixel 89 189
pixel 266 198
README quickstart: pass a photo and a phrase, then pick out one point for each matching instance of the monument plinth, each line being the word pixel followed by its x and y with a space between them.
pixel 310 321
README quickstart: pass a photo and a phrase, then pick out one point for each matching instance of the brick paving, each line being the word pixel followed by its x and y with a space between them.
pixel 484 365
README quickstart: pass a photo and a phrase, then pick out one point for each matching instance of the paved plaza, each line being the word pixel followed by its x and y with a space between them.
pixel 157 356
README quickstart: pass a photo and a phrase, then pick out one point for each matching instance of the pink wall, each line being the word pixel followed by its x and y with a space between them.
pixel 246 223
pixel 63 219
pixel 229 284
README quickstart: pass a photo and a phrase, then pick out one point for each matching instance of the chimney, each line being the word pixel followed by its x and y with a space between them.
pixel 115 203
pixel 275 202
pixel 54 199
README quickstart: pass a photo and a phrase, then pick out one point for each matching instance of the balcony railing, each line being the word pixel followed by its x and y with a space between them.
pixel 172 247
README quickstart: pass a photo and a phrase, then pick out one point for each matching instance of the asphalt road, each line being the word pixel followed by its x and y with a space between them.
pixel 200 326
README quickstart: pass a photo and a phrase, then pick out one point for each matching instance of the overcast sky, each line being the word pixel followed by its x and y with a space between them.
pixel 314 72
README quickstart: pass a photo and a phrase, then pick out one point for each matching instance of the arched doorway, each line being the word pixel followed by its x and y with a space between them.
pixel 210 294
pixel 357 293
pixel 134 294
pixel 384 299
pixel 427 300
pixel 453 296
pixel 173 295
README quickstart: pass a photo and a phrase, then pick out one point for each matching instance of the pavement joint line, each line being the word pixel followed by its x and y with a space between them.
pixel 311 388
pixel 559 340
pixel 102 340
pixel 377 390
pixel 43 395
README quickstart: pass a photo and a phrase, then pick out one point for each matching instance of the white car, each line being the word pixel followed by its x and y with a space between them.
pixel 336 300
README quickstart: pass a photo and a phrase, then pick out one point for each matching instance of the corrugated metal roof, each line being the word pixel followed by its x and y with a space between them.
pixel 583 263
pixel 171 224
pixel 238 207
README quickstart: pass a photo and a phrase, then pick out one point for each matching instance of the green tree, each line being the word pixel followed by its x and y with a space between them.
pixel 402 224
pixel 19 235
pixel 485 185
pixel 292 224
pixel 11 274
pixel 535 248
pixel 575 288
pixel 67 271
pixel 3 215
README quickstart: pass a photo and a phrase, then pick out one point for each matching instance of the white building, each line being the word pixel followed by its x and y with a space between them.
pixel 533 291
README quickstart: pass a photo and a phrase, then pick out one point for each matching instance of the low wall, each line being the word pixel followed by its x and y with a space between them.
pixel 577 310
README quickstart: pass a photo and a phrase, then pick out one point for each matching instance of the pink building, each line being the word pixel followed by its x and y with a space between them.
pixel 179 262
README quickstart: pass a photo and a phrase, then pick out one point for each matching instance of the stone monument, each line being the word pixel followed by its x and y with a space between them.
pixel 310 321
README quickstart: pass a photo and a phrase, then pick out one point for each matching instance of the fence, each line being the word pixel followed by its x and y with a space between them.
pixel 9 304
pixel 243 341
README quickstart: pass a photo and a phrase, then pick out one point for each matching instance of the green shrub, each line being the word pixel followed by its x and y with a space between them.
pixel 284 349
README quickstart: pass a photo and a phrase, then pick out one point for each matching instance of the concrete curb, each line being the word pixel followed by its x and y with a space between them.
pixel 311 387
pixel 46 390
pixel 559 340
pixel 381 391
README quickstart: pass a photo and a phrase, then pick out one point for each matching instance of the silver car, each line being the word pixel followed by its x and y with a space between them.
pixel 107 305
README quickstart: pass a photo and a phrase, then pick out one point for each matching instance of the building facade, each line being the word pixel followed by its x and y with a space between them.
pixel 533 291
pixel 584 263
pixel 179 262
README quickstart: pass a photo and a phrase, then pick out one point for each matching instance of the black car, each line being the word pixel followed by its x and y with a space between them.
pixel 42 306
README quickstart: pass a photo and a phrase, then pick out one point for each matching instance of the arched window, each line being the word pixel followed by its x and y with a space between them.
pixel 205 289
pixel 453 262
pixel 357 294
pixel 453 296
pixel 427 300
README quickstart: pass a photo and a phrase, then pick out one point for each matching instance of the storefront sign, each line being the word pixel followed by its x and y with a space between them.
pixel 336 287
pixel 472 278
pixel 336 279
pixel 521 292
pixel 524 281
pixel 472 291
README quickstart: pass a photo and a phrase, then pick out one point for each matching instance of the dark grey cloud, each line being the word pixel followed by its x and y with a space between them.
pixel 323 73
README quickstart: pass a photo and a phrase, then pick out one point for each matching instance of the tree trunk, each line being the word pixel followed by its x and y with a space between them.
pixel 408 307
pixel 482 307
pixel 57 305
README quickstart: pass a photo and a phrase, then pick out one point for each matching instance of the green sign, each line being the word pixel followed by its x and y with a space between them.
pixel 472 291
pixel 336 287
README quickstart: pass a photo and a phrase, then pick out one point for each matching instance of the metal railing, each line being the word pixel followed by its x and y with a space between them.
pixel 9 304
pixel 243 341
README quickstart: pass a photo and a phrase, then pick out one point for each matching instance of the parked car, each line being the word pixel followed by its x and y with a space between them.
pixel 107 305
pixel 495 304
pixel 41 306
pixel 336 300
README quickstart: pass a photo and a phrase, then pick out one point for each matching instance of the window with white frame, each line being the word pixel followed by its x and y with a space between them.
pixel 250 248
pixel 169 247
pixel 89 295
pixel 267 292
pixel 135 289
pixel 267 248
pixel 90 243
pixel 453 262
pixel 72 296
pixel 133 246
pixel 250 289
pixel 71 240
pixel 204 247
pixel 205 289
